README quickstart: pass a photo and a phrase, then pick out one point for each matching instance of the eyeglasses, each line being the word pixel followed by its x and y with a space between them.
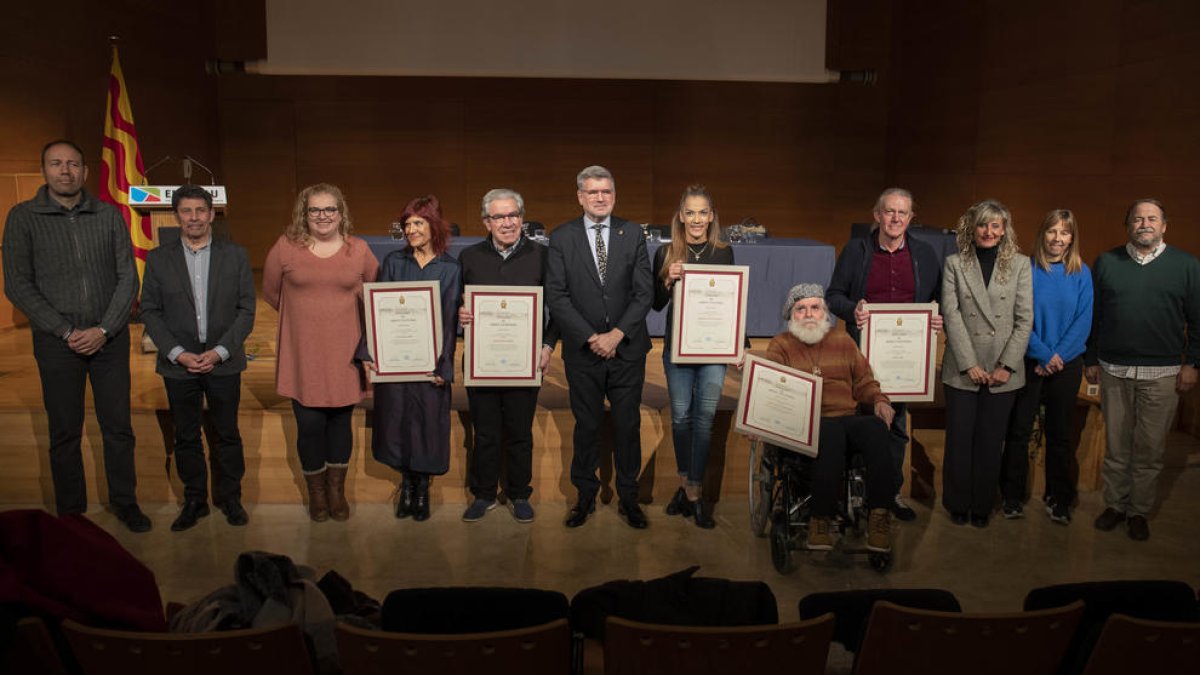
pixel 329 211
pixel 501 217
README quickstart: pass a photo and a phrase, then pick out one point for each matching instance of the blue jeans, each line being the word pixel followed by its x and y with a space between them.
pixel 695 392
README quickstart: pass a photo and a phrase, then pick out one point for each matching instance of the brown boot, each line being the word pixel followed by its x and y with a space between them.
pixel 820 534
pixel 339 508
pixel 318 501
pixel 879 530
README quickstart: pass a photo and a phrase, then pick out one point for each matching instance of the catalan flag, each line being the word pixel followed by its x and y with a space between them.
pixel 121 163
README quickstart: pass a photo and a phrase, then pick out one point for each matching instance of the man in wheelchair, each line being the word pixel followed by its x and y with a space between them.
pixel 812 344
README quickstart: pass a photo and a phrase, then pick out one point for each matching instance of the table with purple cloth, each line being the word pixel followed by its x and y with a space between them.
pixel 775 266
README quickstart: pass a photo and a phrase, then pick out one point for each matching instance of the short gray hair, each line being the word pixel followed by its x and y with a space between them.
pixel 502 193
pixel 594 172
pixel 899 192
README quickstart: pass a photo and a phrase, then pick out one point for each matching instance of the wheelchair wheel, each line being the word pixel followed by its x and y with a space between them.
pixel 880 562
pixel 781 549
pixel 762 484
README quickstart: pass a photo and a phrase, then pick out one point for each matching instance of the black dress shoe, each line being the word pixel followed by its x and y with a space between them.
pixel 235 513
pixel 583 508
pixel 702 511
pixel 959 517
pixel 1109 519
pixel 679 505
pixel 1139 529
pixel 192 511
pixel 979 521
pixel 632 513
pixel 133 518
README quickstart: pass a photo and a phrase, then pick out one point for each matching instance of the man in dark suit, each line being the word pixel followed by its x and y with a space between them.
pixel 198 307
pixel 599 290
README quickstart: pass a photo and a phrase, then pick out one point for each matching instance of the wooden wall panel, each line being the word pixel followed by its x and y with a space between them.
pixel 767 150
pixel 1084 105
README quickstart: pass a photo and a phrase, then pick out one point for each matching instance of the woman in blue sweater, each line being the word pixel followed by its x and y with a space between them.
pixel 1062 319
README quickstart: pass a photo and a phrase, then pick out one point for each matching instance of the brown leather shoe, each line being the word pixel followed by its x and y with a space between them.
pixel 820 534
pixel 335 479
pixel 1109 519
pixel 879 530
pixel 318 500
pixel 1139 529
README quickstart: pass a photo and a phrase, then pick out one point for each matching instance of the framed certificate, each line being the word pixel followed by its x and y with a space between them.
pixel 901 347
pixel 780 405
pixel 709 315
pixel 404 329
pixel 503 343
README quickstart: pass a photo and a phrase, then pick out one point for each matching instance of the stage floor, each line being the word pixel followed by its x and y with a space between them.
pixel 989 569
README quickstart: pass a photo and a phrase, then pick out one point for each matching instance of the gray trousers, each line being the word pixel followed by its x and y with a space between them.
pixel 1137 417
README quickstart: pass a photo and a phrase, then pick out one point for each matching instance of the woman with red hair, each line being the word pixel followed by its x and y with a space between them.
pixel 412 419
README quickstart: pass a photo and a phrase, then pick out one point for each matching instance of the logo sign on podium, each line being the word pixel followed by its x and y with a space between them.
pixel 159 196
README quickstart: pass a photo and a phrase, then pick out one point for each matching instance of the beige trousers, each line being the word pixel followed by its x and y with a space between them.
pixel 1137 416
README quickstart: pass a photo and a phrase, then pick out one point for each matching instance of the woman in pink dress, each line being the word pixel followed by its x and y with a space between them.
pixel 313 277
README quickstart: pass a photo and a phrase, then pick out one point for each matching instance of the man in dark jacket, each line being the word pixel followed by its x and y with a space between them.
pixel 68 265
pixel 502 417
pixel 888 266
pixel 598 288
pixel 198 306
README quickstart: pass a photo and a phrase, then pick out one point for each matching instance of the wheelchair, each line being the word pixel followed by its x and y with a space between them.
pixel 780 493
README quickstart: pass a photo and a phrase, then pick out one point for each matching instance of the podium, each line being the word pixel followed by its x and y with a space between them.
pixel 155 200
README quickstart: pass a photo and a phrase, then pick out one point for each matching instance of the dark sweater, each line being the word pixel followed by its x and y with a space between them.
pixel 849 282
pixel 69 269
pixel 1145 315
pixel 526 266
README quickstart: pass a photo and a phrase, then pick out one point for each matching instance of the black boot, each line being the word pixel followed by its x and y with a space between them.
pixel 703 514
pixel 420 500
pixel 404 504
pixel 679 505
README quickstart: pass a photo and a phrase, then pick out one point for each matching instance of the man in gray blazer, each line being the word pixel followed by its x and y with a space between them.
pixel 198 307
pixel 598 289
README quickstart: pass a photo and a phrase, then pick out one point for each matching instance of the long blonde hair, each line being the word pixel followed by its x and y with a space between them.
pixel 297 232
pixel 1072 262
pixel 984 212
pixel 678 248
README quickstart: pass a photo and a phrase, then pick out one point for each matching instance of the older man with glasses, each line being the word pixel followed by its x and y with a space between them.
pixel 502 417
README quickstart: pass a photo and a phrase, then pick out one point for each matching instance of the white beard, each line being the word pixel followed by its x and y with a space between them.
pixel 809 335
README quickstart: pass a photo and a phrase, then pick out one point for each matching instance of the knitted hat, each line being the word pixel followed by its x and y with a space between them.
pixel 800 292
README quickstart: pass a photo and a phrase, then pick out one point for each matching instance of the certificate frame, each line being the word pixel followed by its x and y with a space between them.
pixel 753 419
pixel 481 301
pixel 692 343
pixel 880 344
pixel 426 296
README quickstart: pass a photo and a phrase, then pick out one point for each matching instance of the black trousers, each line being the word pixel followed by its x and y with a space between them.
pixel 187 396
pixel 898 441
pixel 323 436
pixel 64 376
pixel 976 423
pixel 590 383
pixel 1057 392
pixel 503 421
pixel 840 436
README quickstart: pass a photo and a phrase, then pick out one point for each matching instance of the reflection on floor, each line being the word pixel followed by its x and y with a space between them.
pixel 988 569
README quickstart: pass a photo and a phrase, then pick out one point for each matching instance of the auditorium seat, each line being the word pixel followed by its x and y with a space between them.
pixel 635 648
pixel 539 649
pixel 904 640
pixel 278 649
pixel 1129 645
